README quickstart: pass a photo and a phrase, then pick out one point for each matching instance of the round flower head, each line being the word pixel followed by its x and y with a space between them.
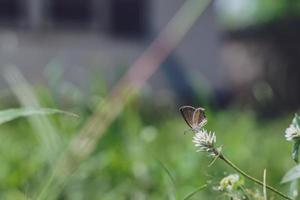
pixel 231 182
pixel 292 132
pixel 204 140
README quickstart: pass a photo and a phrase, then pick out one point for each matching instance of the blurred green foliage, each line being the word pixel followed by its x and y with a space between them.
pixel 235 14
pixel 144 154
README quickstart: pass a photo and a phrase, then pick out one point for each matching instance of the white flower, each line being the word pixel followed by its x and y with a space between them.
pixel 230 182
pixel 204 140
pixel 292 132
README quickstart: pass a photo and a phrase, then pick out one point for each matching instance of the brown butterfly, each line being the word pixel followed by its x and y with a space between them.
pixel 194 117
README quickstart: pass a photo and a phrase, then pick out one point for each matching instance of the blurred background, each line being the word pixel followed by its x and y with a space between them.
pixel 236 58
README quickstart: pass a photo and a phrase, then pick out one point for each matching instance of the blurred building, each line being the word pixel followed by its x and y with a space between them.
pixel 82 36
pixel 252 57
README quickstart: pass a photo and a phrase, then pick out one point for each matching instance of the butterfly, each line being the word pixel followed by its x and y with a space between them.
pixel 194 117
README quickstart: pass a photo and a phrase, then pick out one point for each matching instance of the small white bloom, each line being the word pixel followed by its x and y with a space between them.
pixel 230 182
pixel 292 132
pixel 204 140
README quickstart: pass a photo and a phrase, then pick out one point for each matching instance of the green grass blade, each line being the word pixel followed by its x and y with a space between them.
pixel 14 113
pixel 188 196
pixel 171 190
pixel 265 183
pixel 167 171
pixel 292 174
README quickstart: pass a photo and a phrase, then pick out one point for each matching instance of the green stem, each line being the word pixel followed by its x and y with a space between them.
pixel 245 192
pixel 194 192
pixel 222 157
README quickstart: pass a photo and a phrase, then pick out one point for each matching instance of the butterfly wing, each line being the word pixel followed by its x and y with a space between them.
pixel 199 118
pixel 187 113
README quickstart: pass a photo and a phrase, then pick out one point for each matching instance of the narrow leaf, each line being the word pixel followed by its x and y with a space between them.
pixel 167 171
pixel 14 113
pixel 171 190
pixel 295 150
pixel 296 120
pixel 291 175
pixel 188 196
pixel 293 191
pixel 265 183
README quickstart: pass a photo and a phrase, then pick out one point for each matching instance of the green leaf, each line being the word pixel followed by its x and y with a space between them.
pixel 293 190
pixel 296 120
pixel 14 113
pixel 295 151
pixel 172 188
pixel 291 175
pixel 168 172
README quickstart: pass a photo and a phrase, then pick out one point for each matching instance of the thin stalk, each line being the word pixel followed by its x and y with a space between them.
pixel 231 164
pixel 194 192
pixel 265 183
pixel 245 192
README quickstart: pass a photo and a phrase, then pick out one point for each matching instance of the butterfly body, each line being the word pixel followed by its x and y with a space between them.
pixel 194 117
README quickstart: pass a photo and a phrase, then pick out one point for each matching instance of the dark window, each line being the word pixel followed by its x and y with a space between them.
pixel 10 10
pixel 76 12
pixel 128 18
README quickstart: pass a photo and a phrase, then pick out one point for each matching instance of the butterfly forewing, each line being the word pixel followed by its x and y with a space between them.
pixel 187 113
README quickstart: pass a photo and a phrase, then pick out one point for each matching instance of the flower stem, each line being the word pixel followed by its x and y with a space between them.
pixel 227 161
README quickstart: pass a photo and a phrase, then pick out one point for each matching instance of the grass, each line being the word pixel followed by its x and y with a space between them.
pixel 139 153
pixel 142 154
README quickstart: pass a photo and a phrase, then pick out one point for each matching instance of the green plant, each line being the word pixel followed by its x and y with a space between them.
pixel 205 142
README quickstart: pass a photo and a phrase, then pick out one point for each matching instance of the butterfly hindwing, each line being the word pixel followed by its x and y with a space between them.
pixel 199 118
